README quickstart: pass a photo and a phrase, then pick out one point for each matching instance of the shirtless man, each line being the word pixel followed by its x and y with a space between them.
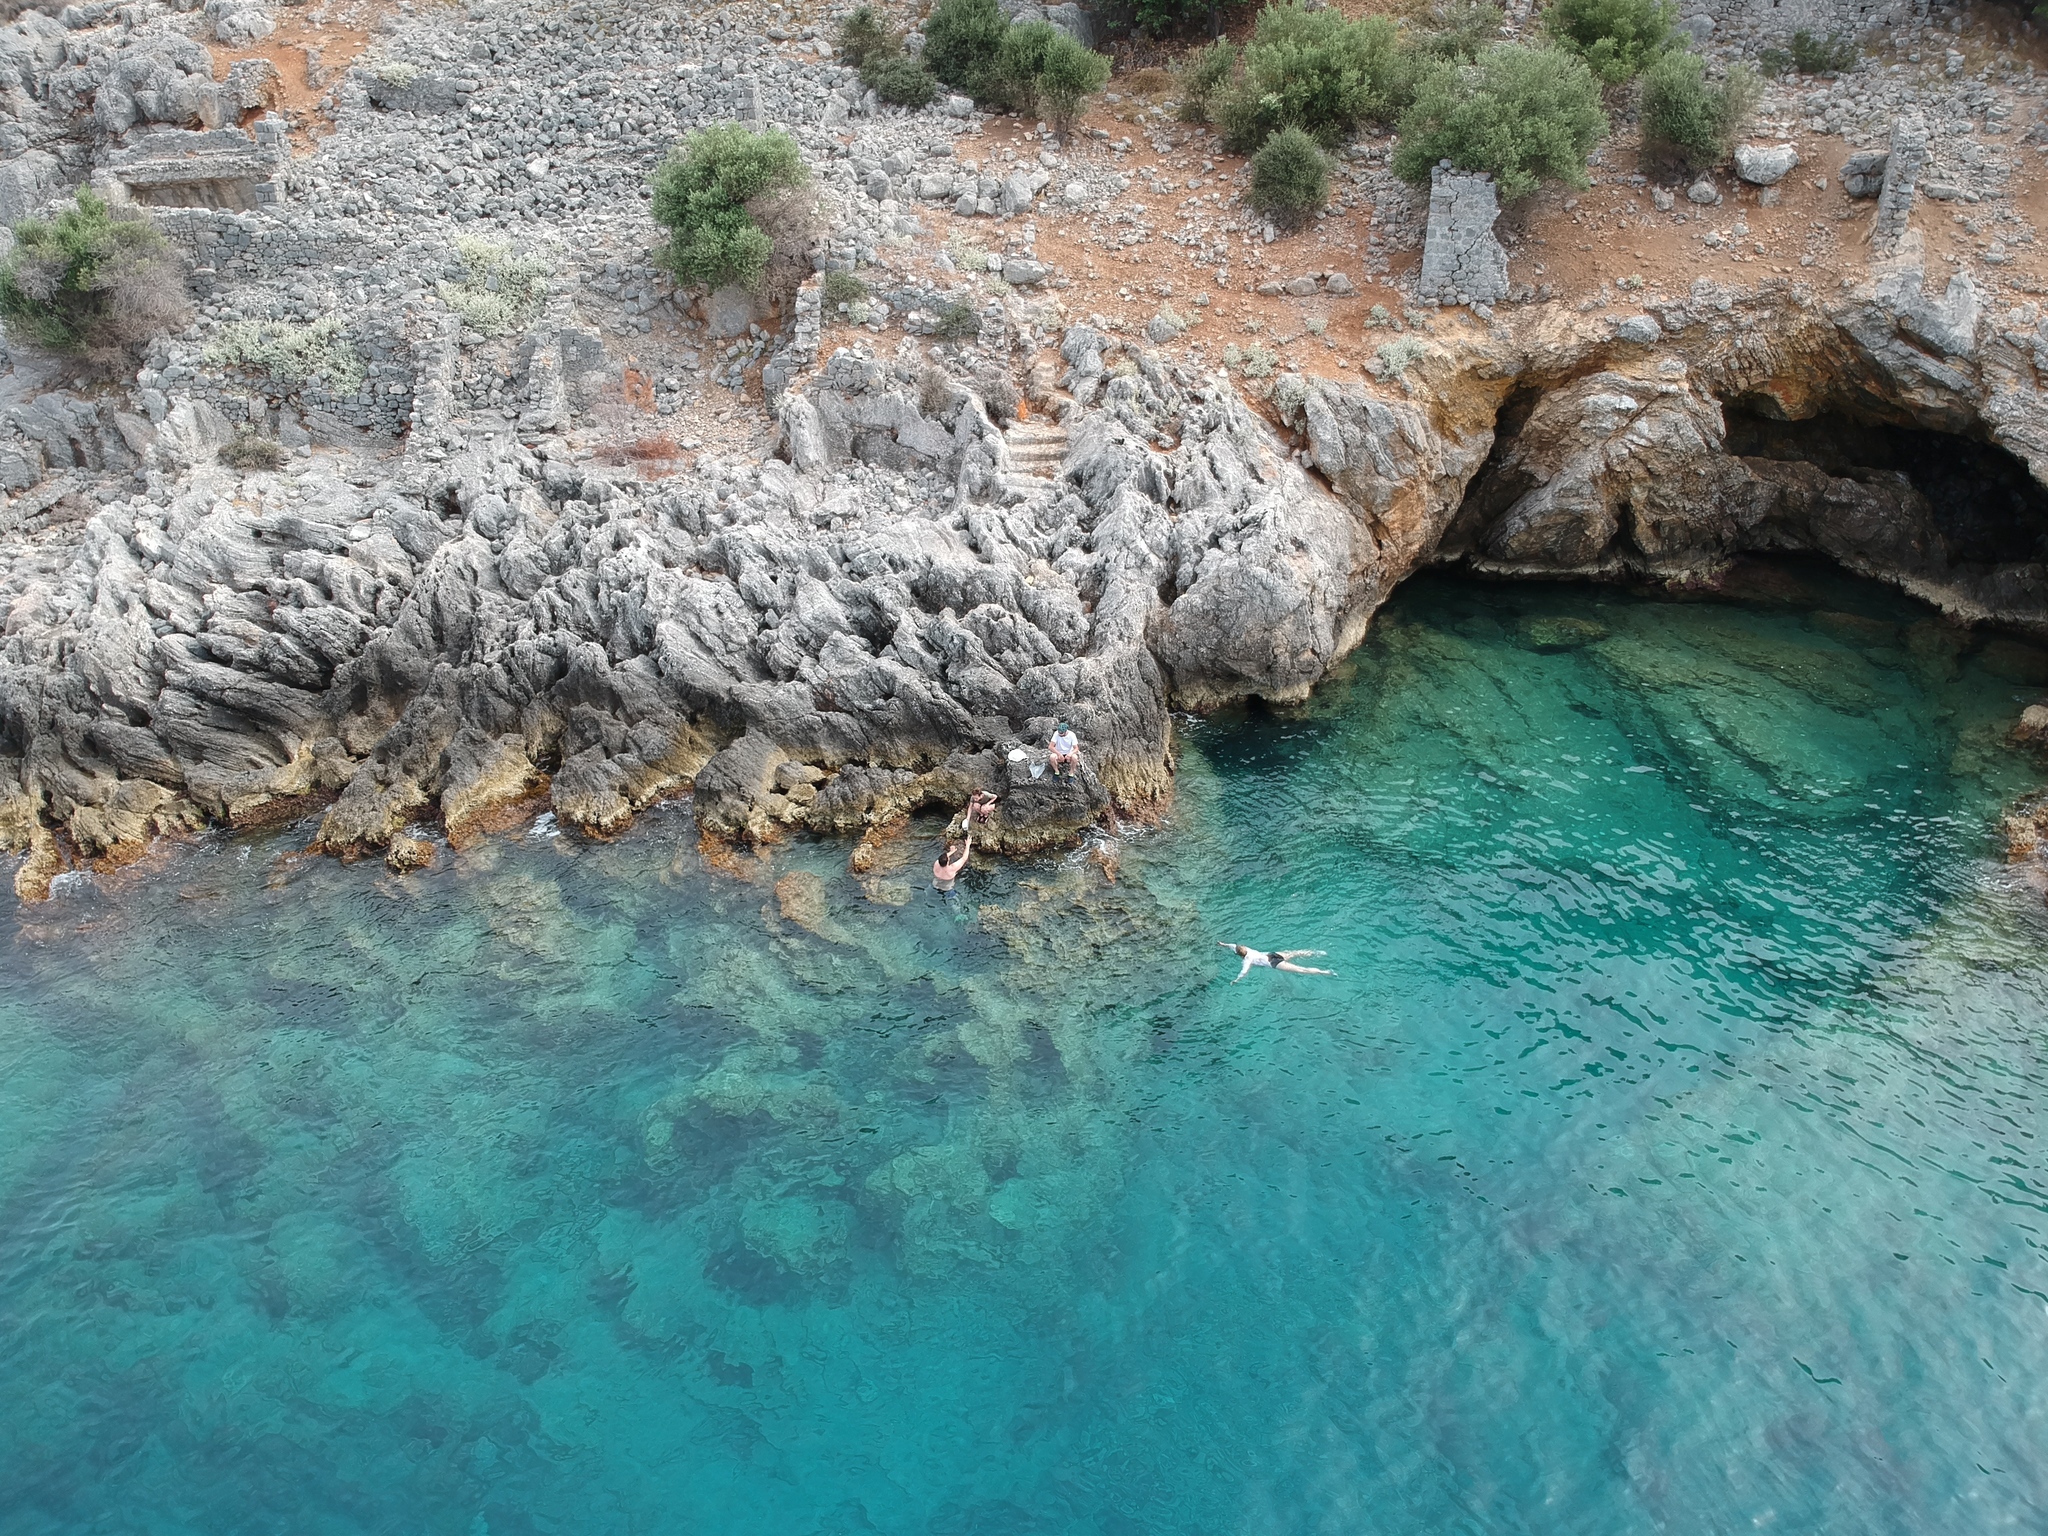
pixel 946 868
pixel 1273 959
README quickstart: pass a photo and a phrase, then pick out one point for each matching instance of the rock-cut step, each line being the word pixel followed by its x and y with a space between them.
pixel 1037 448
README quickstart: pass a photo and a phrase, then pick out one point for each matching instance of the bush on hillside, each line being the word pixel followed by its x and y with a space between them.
pixel 1290 178
pixel 1521 114
pixel 899 80
pixel 1040 69
pixel 961 38
pixel 1616 38
pixel 707 195
pixel 863 36
pixel 1459 29
pixel 843 288
pixel 1202 76
pixel 251 450
pixel 1316 71
pixel 1160 17
pixel 1687 122
pixel 92 282
pixel 1831 55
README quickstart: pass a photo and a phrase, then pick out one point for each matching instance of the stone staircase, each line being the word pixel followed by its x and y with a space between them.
pixel 1037 450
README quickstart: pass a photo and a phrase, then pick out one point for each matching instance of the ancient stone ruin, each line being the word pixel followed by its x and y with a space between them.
pixel 1462 262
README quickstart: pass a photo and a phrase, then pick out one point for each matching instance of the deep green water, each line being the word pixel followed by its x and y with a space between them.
pixel 1665 1156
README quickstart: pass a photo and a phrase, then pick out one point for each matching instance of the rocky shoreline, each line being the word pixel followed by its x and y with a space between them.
pixel 830 644
pixel 578 579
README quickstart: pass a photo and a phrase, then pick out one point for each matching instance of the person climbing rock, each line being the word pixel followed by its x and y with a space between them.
pixel 1273 959
pixel 980 806
pixel 1063 752
pixel 946 868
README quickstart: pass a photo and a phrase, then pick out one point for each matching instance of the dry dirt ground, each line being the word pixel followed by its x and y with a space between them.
pixel 1602 246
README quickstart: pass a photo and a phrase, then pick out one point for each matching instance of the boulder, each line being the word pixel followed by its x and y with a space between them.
pixel 1863 172
pixel 1765 165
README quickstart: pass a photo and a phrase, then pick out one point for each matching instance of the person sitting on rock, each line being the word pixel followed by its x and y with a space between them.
pixel 1063 752
pixel 1273 959
pixel 946 868
pixel 980 806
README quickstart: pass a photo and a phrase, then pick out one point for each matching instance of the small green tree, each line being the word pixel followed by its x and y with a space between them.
pixel 1041 69
pixel 1616 38
pixel 864 35
pixel 961 40
pixel 1316 71
pixel 899 80
pixel 92 282
pixel 1688 122
pixel 1519 113
pixel 1202 76
pixel 1290 178
pixel 702 195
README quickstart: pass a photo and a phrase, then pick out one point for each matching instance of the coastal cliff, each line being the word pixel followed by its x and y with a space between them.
pixel 810 648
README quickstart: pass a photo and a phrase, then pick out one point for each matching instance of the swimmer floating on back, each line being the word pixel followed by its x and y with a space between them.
pixel 1273 959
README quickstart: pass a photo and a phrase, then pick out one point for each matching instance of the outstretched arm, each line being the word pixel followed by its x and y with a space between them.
pixel 1242 971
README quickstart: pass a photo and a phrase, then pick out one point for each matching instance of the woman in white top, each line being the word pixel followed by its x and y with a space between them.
pixel 1273 959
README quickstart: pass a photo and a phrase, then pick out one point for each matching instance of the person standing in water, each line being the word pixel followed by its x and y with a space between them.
pixel 1273 959
pixel 946 868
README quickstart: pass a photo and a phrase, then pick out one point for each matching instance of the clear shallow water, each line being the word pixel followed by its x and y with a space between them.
pixel 1665 1155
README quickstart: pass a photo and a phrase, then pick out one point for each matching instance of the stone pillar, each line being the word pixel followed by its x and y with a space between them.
pixel 1462 263
pixel 1901 172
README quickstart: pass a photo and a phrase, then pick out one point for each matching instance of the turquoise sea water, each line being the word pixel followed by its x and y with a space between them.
pixel 1665 1156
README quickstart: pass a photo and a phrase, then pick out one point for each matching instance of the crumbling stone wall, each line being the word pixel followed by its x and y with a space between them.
pixel 1462 262
pixel 1901 175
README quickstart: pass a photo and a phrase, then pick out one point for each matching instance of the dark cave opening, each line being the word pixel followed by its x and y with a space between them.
pixel 1987 505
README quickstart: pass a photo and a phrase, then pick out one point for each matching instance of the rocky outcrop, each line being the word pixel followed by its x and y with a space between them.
pixel 901 614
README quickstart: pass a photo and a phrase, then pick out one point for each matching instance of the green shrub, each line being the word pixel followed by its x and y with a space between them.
pixel 1160 17
pixel 1616 38
pixel 92 282
pixel 1202 76
pixel 702 195
pixel 289 353
pixel 1290 178
pixel 961 38
pixel 957 322
pixel 253 451
pixel 1316 71
pixel 1519 113
pixel 1830 55
pixel 843 288
pixel 498 292
pixel 1685 119
pixel 1068 75
pixel 862 36
pixel 899 80
pixel 1395 358
pixel 1459 29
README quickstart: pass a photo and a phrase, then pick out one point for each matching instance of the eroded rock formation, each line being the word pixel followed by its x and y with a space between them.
pixel 812 644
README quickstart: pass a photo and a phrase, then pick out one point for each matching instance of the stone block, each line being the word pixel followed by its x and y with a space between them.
pixel 1462 262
